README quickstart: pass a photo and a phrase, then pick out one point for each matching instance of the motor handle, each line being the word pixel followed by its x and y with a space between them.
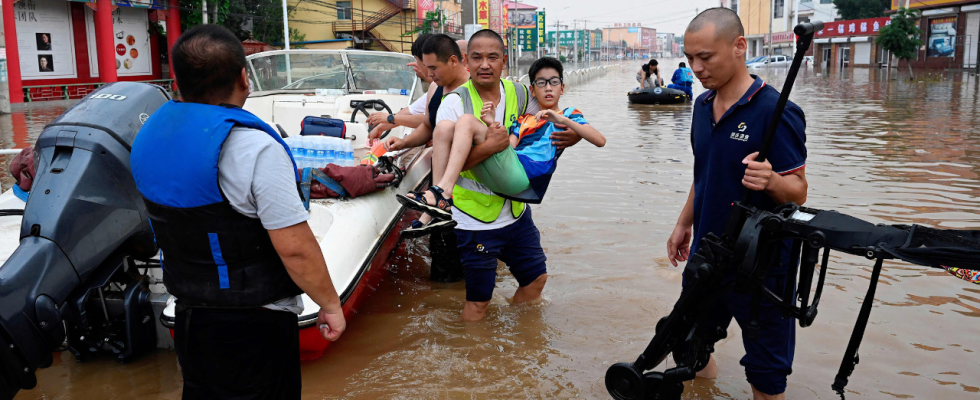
pixel 808 28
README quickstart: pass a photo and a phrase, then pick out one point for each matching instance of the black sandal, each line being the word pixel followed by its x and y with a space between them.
pixel 442 209
pixel 418 229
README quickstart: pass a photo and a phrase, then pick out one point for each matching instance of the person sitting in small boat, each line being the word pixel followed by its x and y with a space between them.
pixel 683 79
pixel 643 76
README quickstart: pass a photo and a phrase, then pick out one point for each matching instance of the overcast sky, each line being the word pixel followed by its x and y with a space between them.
pixel 667 16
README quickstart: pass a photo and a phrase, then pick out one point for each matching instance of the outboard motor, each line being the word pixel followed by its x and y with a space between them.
pixel 73 283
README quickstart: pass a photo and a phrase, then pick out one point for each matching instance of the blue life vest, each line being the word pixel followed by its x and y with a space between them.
pixel 683 76
pixel 213 256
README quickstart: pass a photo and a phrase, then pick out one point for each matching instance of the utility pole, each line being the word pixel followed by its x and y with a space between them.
pixel 474 12
pixel 204 10
pixel 772 12
pixel 796 20
pixel 575 40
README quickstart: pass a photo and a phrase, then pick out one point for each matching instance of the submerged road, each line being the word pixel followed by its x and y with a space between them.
pixel 886 151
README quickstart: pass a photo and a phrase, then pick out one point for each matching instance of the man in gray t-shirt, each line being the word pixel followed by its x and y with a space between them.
pixel 236 245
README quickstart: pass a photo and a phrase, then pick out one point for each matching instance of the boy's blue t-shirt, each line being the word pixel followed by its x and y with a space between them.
pixel 720 146
pixel 535 151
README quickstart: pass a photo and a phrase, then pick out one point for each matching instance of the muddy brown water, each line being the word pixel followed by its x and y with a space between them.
pixel 882 150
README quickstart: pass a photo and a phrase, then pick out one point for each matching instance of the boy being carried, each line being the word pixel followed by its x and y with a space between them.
pixel 523 171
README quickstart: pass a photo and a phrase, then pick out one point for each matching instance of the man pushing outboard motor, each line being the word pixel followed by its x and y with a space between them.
pixel 754 260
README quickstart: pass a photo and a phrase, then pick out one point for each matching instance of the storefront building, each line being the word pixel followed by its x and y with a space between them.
pixel 59 49
pixel 850 43
pixel 950 33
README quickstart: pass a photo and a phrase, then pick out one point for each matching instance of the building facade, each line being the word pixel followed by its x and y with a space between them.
pixel 61 50
pixel 850 43
pixel 384 25
pixel 771 22
pixel 631 40
pixel 666 45
pixel 950 33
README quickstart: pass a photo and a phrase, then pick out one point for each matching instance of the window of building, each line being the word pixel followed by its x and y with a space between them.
pixel 343 10
pixel 735 6
pixel 826 1
pixel 778 8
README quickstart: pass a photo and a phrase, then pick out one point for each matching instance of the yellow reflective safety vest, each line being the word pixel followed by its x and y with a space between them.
pixel 469 195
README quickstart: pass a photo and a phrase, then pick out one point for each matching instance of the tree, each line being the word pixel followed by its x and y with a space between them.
pixel 901 36
pixel 860 9
pixel 433 20
pixel 263 18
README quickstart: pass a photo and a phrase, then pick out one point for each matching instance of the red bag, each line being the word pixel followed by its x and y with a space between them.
pixel 357 181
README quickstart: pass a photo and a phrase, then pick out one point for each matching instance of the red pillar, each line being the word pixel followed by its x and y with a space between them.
pixel 13 56
pixel 104 41
pixel 173 30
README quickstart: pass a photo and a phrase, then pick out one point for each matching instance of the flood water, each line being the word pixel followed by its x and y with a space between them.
pixel 886 151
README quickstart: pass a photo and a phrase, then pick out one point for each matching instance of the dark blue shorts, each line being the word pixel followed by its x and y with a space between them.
pixel 518 245
pixel 768 359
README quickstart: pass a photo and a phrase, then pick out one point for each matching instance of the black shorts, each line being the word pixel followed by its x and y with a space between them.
pixel 238 353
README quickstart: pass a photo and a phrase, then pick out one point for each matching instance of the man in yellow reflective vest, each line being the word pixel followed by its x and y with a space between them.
pixel 490 227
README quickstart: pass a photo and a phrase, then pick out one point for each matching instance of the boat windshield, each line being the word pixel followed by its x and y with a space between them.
pixel 308 71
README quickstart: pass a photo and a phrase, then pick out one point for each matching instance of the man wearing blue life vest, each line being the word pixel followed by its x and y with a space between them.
pixel 727 130
pixel 220 188
pixel 683 79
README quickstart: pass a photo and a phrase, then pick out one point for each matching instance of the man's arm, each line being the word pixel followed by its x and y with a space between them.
pixel 679 243
pixel 301 254
pixel 785 188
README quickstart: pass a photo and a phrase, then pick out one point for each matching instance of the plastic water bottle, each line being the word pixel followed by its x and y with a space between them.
pixel 300 152
pixel 348 153
pixel 322 153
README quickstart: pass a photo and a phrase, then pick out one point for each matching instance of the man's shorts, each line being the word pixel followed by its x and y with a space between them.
pixel 768 358
pixel 518 245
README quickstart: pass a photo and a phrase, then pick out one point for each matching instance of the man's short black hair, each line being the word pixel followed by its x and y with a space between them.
pixel 654 63
pixel 443 47
pixel 545 62
pixel 208 60
pixel 418 43
pixel 682 65
pixel 485 33
pixel 727 23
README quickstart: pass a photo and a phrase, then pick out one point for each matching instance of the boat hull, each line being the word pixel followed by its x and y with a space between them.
pixel 658 95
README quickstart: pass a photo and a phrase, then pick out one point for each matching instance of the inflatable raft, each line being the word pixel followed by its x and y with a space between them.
pixel 658 95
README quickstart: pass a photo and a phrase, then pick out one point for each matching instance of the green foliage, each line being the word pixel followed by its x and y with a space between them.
pixel 901 37
pixel 433 20
pixel 563 59
pixel 265 16
pixel 860 9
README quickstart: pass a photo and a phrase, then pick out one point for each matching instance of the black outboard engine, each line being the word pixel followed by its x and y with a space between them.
pixel 84 226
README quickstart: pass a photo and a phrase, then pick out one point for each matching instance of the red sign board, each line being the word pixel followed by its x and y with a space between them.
pixel 854 27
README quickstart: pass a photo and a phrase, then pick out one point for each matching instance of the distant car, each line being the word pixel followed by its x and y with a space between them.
pixel 777 61
pixel 755 60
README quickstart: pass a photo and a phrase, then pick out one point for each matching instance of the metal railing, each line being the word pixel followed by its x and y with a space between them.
pixel 576 77
pixel 77 90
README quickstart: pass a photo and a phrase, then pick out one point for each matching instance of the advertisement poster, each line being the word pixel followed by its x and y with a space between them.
pixel 540 26
pixel 131 40
pixel 942 37
pixel 496 16
pixel 44 39
pixel 483 14
pixel 521 18
pixel 527 39
pixel 425 6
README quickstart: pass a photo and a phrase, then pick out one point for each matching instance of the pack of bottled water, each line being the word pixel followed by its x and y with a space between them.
pixel 318 151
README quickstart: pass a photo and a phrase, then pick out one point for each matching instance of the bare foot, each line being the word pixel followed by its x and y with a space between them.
pixel 710 371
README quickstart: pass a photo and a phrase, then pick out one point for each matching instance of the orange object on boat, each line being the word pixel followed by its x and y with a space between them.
pixel 377 151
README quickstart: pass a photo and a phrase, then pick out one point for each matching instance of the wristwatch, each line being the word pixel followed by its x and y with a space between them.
pixel 391 119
